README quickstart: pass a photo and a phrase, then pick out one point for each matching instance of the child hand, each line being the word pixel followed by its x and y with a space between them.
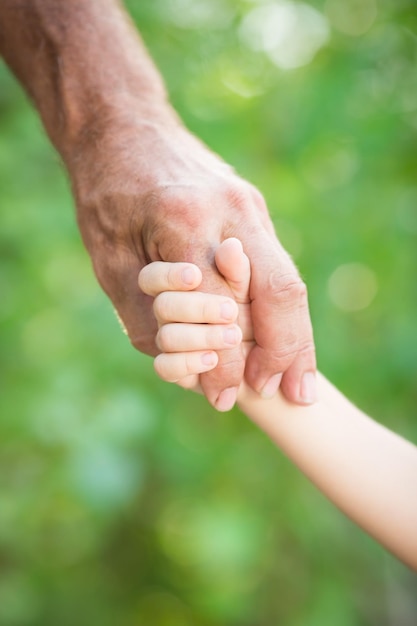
pixel 194 325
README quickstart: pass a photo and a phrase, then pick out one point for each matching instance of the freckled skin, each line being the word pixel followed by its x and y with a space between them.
pixel 145 188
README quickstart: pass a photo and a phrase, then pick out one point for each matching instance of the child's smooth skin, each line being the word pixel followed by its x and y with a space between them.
pixel 369 472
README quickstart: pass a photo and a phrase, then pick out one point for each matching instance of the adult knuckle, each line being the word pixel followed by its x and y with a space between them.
pixel 287 351
pixel 247 212
pixel 286 287
pixel 307 347
pixel 186 242
pixel 282 347
pixel 237 195
pixel 180 202
pixel 284 355
pixel 175 223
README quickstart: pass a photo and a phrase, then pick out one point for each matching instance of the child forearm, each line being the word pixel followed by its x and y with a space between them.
pixel 369 472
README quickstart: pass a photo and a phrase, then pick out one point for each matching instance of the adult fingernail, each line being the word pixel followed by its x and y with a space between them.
pixel 231 336
pixel 228 310
pixel 188 276
pixel 227 399
pixel 271 387
pixel 308 388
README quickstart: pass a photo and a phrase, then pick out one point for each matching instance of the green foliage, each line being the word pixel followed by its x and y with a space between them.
pixel 126 501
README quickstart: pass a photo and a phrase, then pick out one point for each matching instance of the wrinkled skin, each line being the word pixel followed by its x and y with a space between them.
pixel 147 189
pixel 148 192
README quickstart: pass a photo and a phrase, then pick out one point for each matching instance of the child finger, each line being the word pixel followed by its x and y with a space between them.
pixel 190 337
pixel 191 382
pixel 194 307
pixel 234 265
pixel 162 276
pixel 174 367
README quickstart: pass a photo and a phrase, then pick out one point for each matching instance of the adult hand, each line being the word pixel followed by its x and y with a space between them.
pixel 149 191
pixel 146 189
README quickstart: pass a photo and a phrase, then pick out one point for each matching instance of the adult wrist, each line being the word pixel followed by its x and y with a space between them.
pixel 117 116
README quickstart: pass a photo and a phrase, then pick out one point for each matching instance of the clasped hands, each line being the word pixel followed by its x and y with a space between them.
pixel 194 326
pixel 150 191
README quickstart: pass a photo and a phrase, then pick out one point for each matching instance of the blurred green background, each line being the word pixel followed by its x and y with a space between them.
pixel 125 501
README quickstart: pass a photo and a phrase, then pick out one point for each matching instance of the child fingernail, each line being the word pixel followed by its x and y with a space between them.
pixel 188 276
pixel 308 388
pixel 227 310
pixel 231 336
pixel 271 386
pixel 209 358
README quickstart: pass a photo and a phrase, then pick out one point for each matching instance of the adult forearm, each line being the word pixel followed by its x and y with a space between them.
pixel 146 189
pixel 81 63
pixel 369 472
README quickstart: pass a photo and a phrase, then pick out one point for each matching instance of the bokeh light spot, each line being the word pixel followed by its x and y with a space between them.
pixel 196 14
pixel 290 33
pixel 329 165
pixel 352 17
pixel 352 287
